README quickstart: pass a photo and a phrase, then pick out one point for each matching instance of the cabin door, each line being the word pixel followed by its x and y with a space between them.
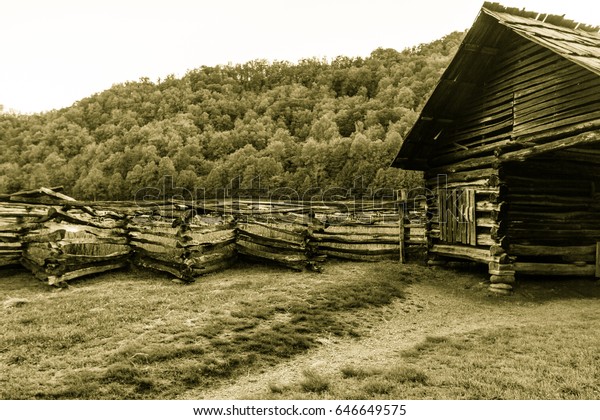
pixel 457 215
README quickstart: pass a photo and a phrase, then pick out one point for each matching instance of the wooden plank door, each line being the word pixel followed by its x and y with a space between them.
pixel 457 216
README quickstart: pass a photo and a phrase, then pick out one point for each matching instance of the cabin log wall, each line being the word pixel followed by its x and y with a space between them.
pixel 554 219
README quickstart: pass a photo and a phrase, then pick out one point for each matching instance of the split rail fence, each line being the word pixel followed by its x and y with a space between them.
pixel 58 238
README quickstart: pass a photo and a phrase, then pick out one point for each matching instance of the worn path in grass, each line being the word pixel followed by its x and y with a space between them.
pixel 448 303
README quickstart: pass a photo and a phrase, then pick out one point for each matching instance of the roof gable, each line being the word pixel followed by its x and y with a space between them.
pixel 494 25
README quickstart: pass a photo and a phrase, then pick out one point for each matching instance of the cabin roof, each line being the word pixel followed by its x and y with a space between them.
pixel 577 42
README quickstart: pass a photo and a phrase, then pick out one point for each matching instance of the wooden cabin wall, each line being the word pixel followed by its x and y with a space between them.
pixel 530 91
pixel 553 218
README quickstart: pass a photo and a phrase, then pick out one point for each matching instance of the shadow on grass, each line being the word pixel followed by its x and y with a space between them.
pixel 268 327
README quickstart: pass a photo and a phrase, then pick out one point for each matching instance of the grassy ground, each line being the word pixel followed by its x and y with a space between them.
pixel 138 335
pixel 511 363
pixel 385 331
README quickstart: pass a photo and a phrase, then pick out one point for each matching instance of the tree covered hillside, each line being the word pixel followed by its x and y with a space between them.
pixel 314 124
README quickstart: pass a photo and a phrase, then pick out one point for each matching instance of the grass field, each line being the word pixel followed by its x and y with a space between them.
pixel 356 331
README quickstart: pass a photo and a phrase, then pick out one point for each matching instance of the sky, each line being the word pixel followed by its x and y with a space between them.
pixel 55 52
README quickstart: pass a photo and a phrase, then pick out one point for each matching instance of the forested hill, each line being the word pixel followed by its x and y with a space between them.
pixel 314 124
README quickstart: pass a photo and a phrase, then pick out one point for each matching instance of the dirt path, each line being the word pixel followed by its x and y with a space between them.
pixel 428 311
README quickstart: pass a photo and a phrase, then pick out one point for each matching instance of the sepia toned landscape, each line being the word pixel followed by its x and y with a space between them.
pixel 412 224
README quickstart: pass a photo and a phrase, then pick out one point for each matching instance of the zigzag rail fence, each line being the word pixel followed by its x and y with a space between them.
pixel 59 239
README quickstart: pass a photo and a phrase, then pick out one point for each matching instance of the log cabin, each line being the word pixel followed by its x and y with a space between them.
pixel 509 144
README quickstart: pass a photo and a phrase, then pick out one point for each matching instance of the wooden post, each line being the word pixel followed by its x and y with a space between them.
pixel 597 259
pixel 401 233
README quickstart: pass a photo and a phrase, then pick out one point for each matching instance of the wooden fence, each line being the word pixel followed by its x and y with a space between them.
pixel 60 239
pixel 184 247
pixel 58 244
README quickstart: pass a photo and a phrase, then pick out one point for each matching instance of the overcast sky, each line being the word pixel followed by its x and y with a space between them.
pixel 55 52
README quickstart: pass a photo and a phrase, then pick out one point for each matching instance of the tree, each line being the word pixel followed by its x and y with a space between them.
pixel 116 187
pixel 187 183
pixel 325 128
pixel 262 173
pixel 92 186
pixel 167 176
pixel 10 178
pixel 55 168
pixel 134 180
pixel 388 180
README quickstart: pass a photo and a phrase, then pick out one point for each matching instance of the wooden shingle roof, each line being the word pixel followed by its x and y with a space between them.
pixel 576 42
pixel 579 43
